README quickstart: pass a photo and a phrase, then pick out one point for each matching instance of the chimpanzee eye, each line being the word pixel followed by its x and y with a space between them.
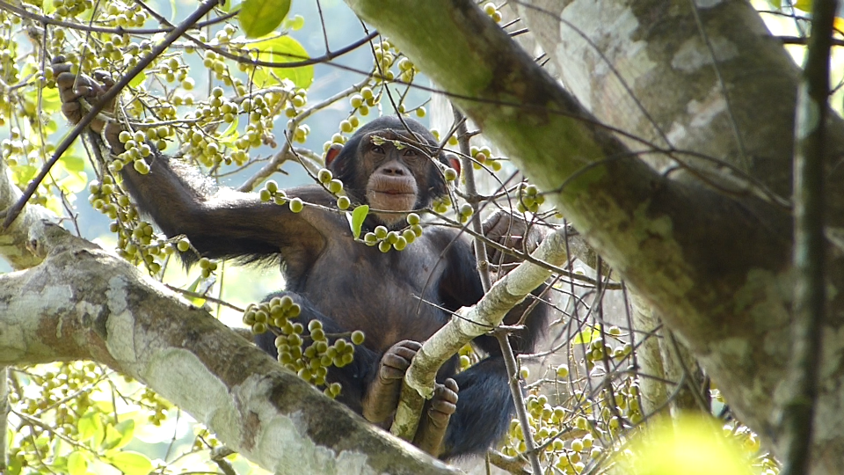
pixel 409 152
pixel 377 149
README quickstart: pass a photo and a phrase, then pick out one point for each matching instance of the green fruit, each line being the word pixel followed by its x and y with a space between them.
pixel 562 371
pixel 296 205
pixel 343 202
pixel 400 243
pixel 324 175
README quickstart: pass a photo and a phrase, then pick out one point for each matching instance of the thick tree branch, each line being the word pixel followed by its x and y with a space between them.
pixel 84 303
pixel 712 260
pixel 15 239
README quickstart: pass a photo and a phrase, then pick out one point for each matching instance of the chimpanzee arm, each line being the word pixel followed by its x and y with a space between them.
pixel 218 222
pixel 223 223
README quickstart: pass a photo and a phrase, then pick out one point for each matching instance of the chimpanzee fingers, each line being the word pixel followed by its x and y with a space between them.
pixel 73 111
pixel 112 136
pixel 492 221
pixel 104 78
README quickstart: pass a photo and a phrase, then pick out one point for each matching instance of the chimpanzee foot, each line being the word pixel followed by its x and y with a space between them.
pixel 382 395
pixel 435 417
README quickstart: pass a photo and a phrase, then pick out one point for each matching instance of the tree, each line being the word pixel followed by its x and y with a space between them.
pixel 654 150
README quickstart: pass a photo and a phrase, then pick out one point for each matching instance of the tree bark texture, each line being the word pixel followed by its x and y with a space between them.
pixel 686 194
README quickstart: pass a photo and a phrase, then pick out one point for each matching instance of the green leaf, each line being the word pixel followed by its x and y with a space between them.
pixel 76 463
pixel 73 163
pixel 230 135
pixel 296 23
pixel 586 336
pixel 126 429
pixel 138 80
pixel 50 99
pixel 24 173
pixel 198 301
pixel 358 215
pixel 74 182
pixel 261 17
pixel 130 463
pixel 282 49
pixel 805 5
pixel 90 426
pixel 119 435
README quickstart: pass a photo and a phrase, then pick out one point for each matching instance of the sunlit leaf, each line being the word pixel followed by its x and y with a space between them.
pixel 261 17
pixel 73 163
pixel 89 426
pixel 586 336
pixel 805 5
pixel 138 80
pixel 119 435
pixel 126 429
pixel 24 173
pixel 689 445
pixel 76 463
pixel 230 135
pixel 198 301
pixel 296 23
pixel 50 99
pixel 358 216
pixel 282 49
pixel 130 463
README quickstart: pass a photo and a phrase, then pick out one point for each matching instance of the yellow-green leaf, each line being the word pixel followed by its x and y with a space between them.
pixel 282 49
pixel 261 17
pixel 198 301
pixel 73 163
pixel 130 463
pixel 76 463
pixel 358 215
pixel 89 426
pixel 805 5
pixel 138 80
pixel 690 445
pixel 586 336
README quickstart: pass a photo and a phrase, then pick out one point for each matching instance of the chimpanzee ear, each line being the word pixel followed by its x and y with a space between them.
pixel 332 153
pixel 453 162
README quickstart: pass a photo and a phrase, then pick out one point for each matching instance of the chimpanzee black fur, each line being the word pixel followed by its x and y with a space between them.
pixel 345 284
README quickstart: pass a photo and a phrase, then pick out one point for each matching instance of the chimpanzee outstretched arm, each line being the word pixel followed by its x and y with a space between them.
pixel 219 222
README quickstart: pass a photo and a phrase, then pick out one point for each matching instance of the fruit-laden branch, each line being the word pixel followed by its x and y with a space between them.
pixel 82 303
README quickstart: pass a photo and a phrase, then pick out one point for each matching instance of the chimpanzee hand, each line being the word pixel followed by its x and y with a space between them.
pixel 512 231
pixel 73 88
pixel 383 393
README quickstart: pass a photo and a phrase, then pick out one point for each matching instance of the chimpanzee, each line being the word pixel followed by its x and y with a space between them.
pixel 345 284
